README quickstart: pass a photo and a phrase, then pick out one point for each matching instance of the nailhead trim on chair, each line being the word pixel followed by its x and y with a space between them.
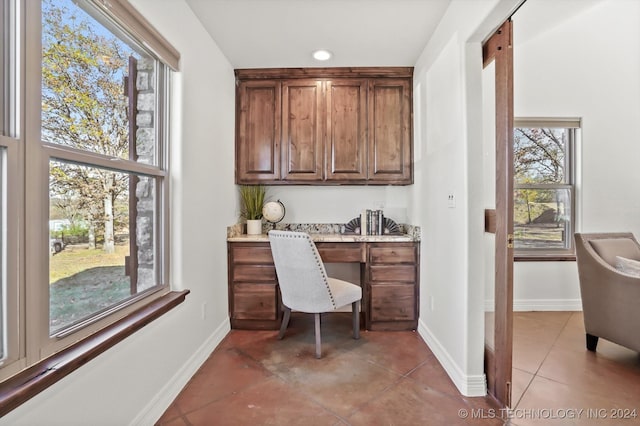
pixel 318 262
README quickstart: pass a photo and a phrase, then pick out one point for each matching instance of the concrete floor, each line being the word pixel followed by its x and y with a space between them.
pixel 392 378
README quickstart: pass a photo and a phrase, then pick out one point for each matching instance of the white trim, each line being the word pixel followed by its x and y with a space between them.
pixel 162 400
pixel 526 305
pixel 63 152
pixel 475 385
pixel 547 305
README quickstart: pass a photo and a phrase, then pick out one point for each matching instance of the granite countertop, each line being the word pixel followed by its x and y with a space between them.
pixel 324 233
pixel 332 238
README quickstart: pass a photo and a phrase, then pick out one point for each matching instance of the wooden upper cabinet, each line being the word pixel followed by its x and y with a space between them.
pixel 302 130
pixel 346 130
pixel 258 131
pixel 390 141
pixel 324 126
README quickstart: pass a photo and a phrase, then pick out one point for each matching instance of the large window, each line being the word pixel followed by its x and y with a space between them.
pixel 544 187
pixel 83 172
pixel 100 102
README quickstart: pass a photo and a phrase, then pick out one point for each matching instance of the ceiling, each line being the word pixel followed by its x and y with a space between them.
pixel 284 33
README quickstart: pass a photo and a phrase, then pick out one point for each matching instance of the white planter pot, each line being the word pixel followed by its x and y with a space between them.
pixel 254 227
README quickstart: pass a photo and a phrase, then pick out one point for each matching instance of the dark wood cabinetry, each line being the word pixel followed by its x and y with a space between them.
pixel 346 137
pixel 324 126
pixel 392 277
pixel 302 130
pixel 253 287
pixel 389 131
pixel 389 274
pixel 259 113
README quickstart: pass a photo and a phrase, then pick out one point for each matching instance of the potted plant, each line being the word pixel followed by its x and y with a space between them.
pixel 252 199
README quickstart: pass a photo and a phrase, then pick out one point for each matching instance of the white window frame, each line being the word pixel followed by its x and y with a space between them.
pixel 26 236
pixel 11 193
pixel 573 126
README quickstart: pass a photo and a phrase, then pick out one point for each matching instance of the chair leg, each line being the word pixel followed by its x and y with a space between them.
pixel 355 311
pixel 592 342
pixel 285 322
pixel 318 338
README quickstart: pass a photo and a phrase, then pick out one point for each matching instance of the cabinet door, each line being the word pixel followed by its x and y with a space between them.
pixel 390 118
pixel 255 302
pixel 258 132
pixel 302 130
pixel 253 287
pixel 346 130
pixel 393 286
pixel 393 302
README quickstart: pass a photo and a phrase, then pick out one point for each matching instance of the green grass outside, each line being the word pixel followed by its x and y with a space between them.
pixel 84 281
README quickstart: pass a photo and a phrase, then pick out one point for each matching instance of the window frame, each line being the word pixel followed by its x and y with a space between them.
pixel 31 347
pixel 12 199
pixel 573 127
pixel 37 196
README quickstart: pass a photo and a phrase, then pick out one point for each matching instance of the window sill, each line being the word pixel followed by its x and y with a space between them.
pixel 544 257
pixel 33 380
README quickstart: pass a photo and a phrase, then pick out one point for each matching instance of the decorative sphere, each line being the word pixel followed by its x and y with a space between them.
pixel 273 211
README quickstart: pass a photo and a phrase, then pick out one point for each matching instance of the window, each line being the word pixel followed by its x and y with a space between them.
pixel 100 93
pixel 10 145
pixel 83 175
pixel 544 187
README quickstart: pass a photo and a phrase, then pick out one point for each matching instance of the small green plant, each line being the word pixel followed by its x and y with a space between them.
pixel 252 199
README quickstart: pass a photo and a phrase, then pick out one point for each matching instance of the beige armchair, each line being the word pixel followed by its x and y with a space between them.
pixel 304 283
pixel 610 297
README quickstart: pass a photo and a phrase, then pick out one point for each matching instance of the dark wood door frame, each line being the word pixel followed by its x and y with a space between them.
pixel 498 361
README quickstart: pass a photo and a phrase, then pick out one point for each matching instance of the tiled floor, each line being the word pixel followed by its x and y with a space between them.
pixel 392 378
pixel 555 377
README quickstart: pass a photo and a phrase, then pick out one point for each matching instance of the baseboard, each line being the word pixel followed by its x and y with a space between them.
pixel 158 405
pixel 475 385
pixel 526 305
pixel 547 305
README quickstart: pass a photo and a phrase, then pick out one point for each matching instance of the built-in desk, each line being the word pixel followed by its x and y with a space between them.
pixel 389 277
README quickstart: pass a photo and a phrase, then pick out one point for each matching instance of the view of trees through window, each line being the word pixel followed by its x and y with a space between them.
pixel 542 189
pixel 97 102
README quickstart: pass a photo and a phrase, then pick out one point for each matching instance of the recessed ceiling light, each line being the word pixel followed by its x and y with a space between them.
pixel 321 55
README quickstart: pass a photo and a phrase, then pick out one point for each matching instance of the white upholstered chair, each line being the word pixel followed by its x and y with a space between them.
pixel 304 283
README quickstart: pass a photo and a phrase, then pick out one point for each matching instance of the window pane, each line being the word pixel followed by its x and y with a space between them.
pixel 540 155
pixel 102 240
pixel 542 218
pixel 98 91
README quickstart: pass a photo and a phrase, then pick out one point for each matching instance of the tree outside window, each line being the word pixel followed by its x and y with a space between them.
pixel 543 186
pixel 98 103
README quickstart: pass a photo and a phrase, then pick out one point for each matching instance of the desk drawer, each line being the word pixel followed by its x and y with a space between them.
pixel 252 254
pixel 393 273
pixel 253 273
pixel 393 302
pixel 341 252
pixel 255 302
pixel 392 254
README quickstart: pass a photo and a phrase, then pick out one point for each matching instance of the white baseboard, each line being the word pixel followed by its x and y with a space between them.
pixel 158 405
pixel 547 305
pixel 526 305
pixel 475 385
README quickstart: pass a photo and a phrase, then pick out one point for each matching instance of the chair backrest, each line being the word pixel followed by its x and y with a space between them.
pixel 608 245
pixel 301 274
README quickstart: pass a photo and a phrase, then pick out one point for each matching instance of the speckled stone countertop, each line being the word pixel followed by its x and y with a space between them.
pixel 326 233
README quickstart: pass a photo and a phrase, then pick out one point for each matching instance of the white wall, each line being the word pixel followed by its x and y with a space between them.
pixel 134 382
pixel 339 204
pixel 584 63
pixel 153 364
pixel 449 153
